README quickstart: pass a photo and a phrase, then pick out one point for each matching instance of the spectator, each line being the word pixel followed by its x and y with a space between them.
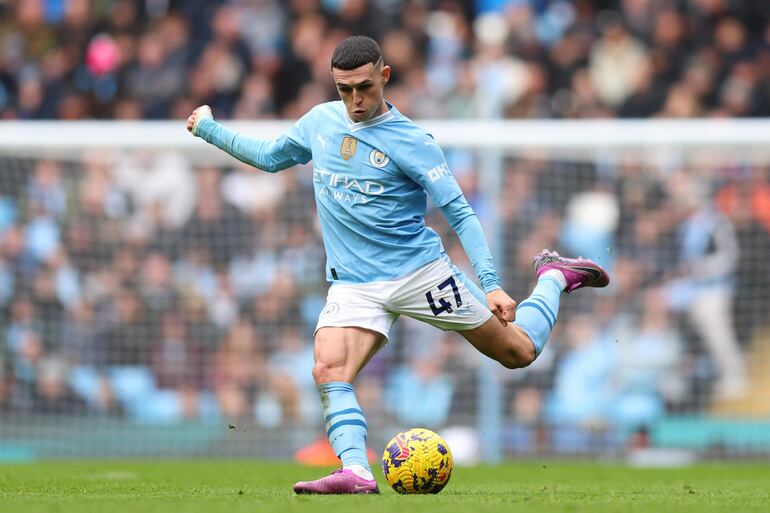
pixel 419 392
pixel 648 376
pixel 746 201
pixel 24 345
pixel 615 61
pixel 290 378
pixel 162 188
pixel 704 285
pixel 238 370
pixel 176 361
pixel 582 392
pixel 215 228
pixel 52 392
pixel 127 338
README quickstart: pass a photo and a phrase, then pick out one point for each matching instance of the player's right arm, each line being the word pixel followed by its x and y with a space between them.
pixel 271 156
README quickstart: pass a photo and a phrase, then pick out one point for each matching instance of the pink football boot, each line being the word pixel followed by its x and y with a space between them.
pixel 340 481
pixel 579 272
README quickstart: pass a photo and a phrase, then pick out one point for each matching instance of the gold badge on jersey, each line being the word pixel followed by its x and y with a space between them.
pixel 348 147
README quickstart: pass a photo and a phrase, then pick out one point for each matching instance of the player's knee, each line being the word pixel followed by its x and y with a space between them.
pixel 320 372
pixel 518 355
pixel 324 373
pixel 528 355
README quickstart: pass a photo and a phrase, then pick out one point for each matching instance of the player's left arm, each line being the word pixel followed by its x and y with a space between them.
pixel 466 225
pixel 425 163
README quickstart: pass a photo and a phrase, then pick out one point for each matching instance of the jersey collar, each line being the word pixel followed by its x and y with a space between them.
pixel 382 118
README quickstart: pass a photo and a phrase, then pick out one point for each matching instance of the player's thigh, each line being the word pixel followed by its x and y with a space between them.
pixel 352 327
pixel 341 352
pixel 509 344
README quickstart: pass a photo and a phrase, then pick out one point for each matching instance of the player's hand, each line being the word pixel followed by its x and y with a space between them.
pixel 202 112
pixel 502 306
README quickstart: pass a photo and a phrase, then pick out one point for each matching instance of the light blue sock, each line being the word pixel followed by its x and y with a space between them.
pixel 536 315
pixel 344 423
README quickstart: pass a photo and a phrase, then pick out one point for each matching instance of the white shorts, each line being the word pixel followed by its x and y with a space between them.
pixel 436 293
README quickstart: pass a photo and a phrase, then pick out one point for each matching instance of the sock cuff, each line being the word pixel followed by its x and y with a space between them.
pixel 553 279
pixel 334 386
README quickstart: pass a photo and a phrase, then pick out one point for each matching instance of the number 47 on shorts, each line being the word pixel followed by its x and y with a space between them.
pixel 443 304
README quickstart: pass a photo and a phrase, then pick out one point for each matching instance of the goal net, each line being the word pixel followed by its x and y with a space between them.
pixel 157 298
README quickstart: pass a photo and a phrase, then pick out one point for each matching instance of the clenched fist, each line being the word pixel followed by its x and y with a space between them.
pixel 202 112
pixel 502 306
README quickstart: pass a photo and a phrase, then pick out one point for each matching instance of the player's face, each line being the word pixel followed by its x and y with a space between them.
pixel 361 90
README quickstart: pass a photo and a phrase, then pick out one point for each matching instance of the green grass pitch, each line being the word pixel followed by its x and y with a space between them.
pixel 241 486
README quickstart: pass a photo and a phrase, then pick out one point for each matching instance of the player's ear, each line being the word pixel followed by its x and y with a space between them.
pixel 385 74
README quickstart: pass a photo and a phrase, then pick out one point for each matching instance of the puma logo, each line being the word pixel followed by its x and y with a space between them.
pixel 595 274
pixel 321 140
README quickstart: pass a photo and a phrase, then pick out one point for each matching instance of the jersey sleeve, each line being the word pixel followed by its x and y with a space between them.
pixel 289 149
pixel 464 222
pixel 424 163
pixel 296 142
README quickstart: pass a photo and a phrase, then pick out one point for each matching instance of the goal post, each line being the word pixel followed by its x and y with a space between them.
pixel 158 298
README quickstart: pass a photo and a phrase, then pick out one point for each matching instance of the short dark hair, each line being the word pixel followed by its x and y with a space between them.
pixel 356 51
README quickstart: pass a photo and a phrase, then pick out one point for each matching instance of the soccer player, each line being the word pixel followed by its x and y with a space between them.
pixel 372 171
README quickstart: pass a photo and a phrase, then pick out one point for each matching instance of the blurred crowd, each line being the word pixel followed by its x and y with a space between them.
pixel 141 286
pixel 123 279
pixel 158 59
pixel 147 287
pixel 686 245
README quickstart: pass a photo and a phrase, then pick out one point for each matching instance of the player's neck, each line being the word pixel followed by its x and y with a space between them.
pixel 383 108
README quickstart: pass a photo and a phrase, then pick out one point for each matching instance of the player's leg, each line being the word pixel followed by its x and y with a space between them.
pixel 520 342
pixel 710 313
pixel 442 296
pixel 509 345
pixel 340 354
pixel 351 329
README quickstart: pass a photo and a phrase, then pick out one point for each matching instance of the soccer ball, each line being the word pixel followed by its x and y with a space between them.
pixel 417 461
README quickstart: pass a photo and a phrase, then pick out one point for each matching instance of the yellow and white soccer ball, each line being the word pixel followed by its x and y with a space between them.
pixel 417 461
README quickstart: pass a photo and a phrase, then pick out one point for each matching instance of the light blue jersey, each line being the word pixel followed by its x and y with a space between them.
pixel 371 182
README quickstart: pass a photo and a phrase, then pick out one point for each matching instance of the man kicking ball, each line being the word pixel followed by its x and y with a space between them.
pixel 373 169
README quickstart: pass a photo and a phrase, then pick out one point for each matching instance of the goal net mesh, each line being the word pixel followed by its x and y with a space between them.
pixel 161 301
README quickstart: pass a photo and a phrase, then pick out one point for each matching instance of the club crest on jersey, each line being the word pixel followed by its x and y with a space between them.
pixel 378 159
pixel 348 147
